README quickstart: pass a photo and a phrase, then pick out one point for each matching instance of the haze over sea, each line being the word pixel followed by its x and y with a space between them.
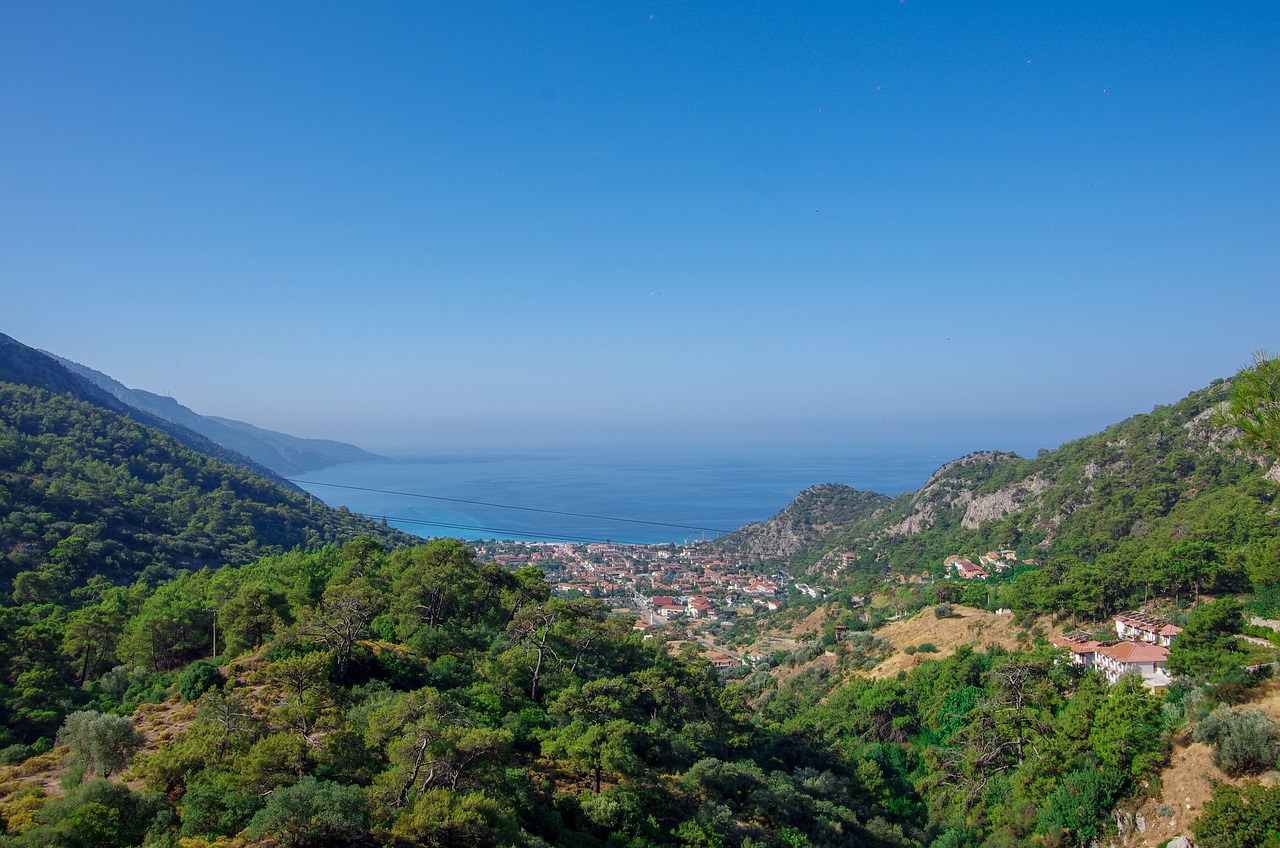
pixel 705 492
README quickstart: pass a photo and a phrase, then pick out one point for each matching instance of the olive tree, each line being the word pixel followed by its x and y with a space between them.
pixel 101 742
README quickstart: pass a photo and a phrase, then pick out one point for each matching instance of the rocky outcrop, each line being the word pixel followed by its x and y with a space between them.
pixel 808 519
pixel 952 487
pixel 1001 503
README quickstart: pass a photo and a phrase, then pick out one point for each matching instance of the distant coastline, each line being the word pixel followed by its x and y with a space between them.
pixel 707 493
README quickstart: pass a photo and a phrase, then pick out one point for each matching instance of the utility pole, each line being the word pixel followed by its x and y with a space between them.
pixel 214 612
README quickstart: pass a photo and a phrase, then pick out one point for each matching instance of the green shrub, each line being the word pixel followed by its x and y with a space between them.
pixel 101 743
pixel 199 677
pixel 1076 806
pixel 214 805
pixel 15 754
pixel 442 817
pixel 1239 818
pixel 94 813
pixel 119 680
pixel 1244 740
pixel 311 812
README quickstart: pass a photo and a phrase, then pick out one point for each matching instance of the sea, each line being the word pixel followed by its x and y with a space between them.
pixel 640 496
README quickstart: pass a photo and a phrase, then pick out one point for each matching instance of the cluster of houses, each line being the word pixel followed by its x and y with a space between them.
pixel 680 582
pixel 992 562
pixel 615 572
pixel 1141 647
pixel 701 606
pixel 667 606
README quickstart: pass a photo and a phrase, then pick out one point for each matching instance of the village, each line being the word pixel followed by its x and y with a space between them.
pixel 688 590
pixel 672 580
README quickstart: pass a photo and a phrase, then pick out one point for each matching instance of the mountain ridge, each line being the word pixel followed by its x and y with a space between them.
pixel 28 366
pixel 1153 473
pixel 283 453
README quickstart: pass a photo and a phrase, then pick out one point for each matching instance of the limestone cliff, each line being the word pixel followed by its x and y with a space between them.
pixel 1135 480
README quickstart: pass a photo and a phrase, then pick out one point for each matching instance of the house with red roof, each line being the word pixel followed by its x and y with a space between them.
pixel 1142 658
pixel 1141 627
pixel 699 607
pixel 1080 648
pixel 963 568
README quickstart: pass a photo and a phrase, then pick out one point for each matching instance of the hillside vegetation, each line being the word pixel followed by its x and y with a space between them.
pixel 414 698
pixel 1164 504
pixel 26 366
pixel 86 491
pixel 360 693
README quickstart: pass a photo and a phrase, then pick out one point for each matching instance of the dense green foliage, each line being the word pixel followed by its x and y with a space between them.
pixel 1207 648
pixel 1237 817
pixel 95 508
pixel 86 491
pixel 1254 406
pixel 422 699
pixel 1160 505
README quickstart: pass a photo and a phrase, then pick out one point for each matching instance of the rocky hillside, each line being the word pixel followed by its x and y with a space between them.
pixel 814 514
pixel 1170 474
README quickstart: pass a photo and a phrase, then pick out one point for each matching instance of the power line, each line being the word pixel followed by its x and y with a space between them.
pixel 520 508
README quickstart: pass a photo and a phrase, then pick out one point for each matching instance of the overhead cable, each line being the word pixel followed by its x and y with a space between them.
pixel 519 508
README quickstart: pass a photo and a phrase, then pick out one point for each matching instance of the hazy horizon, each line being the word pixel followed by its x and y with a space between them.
pixel 887 223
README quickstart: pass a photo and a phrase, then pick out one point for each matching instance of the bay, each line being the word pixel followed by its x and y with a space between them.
pixel 635 495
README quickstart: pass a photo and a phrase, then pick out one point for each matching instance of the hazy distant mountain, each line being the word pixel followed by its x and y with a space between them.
pixel 86 490
pixel 30 367
pixel 282 453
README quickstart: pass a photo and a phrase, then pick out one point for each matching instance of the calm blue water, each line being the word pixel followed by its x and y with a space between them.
pixel 706 494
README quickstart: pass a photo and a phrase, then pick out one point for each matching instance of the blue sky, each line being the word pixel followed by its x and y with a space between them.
pixel 1003 224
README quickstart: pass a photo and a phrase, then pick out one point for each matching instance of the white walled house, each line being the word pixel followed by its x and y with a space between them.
pixel 1082 650
pixel 1140 627
pixel 1143 658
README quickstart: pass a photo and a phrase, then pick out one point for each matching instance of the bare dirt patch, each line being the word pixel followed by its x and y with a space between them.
pixel 44 771
pixel 1268 699
pixel 967 626
pixel 811 626
pixel 1187 782
pixel 158 723
pixel 766 645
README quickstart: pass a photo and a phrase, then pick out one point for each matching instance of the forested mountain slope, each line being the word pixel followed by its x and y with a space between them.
pixel 1173 475
pixel 86 490
pixel 282 453
pixel 360 694
pixel 406 698
pixel 30 367
pixel 816 513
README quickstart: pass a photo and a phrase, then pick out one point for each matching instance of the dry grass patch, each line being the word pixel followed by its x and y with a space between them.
pixel 811 626
pixel 43 773
pixel 967 626
pixel 159 723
